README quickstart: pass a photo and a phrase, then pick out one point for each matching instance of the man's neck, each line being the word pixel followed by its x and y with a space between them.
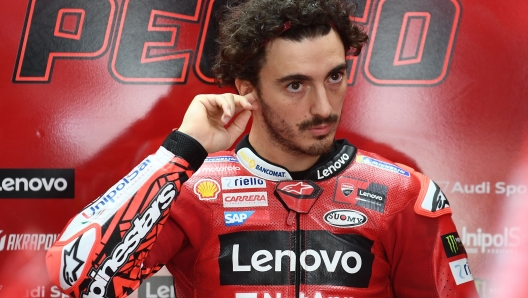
pixel 266 147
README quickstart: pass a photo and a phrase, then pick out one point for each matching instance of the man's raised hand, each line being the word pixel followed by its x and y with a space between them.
pixel 207 117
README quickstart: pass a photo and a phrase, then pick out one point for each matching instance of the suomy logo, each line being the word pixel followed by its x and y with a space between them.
pixel 344 218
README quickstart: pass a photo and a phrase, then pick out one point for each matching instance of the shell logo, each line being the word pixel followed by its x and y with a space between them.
pixel 207 189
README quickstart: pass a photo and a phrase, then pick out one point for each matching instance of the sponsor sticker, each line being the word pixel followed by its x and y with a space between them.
pixel 261 168
pixel 299 196
pixel 452 244
pixel 362 193
pixel 382 165
pixel 219 170
pixel 253 217
pixel 207 189
pixel 460 271
pixel 242 182
pixel 221 159
pixel 11 242
pixel 269 258
pixel 157 287
pixel 37 183
pixel 74 256
pixel 434 203
pixel 345 218
pixel 245 199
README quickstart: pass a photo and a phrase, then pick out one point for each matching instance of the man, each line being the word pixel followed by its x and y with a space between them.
pixel 290 212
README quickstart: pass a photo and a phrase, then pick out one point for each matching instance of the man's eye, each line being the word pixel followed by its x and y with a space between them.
pixel 294 87
pixel 335 78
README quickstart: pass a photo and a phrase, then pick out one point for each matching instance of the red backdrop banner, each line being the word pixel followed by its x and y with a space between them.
pixel 89 88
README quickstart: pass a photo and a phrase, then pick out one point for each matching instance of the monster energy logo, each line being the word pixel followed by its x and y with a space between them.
pixel 452 245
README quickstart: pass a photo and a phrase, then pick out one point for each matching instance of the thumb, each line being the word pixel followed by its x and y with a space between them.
pixel 239 125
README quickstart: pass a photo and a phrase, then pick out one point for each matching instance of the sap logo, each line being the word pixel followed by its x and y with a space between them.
pixel 330 169
pixel 241 182
pixel 236 218
pixel 344 218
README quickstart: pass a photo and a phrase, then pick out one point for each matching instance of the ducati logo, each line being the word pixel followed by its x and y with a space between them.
pixel 347 189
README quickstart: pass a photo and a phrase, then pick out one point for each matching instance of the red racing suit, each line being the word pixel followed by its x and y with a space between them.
pixel 353 225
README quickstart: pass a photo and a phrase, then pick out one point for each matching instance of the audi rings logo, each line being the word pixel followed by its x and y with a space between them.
pixel 37 183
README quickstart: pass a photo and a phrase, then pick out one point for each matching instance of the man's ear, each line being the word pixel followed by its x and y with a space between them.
pixel 244 87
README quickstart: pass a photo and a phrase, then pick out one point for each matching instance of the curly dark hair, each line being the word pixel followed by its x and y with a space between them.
pixel 246 28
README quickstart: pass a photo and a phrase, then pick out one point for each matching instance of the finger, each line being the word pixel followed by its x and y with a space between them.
pixel 239 125
pixel 218 106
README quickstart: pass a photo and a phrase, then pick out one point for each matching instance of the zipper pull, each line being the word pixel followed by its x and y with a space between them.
pixel 291 218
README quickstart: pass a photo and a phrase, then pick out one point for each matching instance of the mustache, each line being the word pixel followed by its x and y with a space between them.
pixel 315 121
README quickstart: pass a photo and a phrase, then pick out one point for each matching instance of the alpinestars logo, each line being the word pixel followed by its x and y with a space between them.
pixel 141 226
pixel 72 264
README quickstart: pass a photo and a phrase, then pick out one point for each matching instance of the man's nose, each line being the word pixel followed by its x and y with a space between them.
pixel 321 103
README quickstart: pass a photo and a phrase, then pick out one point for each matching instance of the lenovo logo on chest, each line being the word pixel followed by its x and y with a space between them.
pixel 272 258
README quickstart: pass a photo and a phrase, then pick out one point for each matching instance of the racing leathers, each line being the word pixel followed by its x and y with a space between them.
pixel 353 225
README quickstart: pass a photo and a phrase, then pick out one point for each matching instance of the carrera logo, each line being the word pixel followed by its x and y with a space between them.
pixel 272 258
pixel 344 218
pixel 245 199
pixel 207 189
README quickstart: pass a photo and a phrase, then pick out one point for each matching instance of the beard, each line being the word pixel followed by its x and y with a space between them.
pixel 284 136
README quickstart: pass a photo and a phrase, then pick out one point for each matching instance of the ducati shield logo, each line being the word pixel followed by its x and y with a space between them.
pixel 344 218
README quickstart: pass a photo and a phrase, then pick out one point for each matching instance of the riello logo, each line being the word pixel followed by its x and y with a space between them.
pixel 156 41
